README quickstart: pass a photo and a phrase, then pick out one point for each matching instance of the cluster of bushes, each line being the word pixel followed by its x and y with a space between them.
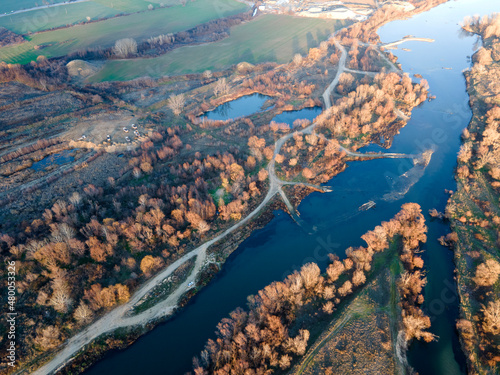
pixel 43 75
pixel 7 37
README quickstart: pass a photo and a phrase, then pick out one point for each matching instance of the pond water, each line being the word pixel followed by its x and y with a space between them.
pixel 60 158
pixel 241 107
pixel 271 253
pixel 288 117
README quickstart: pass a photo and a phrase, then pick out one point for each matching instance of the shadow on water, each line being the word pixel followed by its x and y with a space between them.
pixel 271 253
pixel 288 117
pixel 244 106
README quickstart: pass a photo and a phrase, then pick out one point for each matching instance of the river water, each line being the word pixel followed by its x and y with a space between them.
pixel 333 218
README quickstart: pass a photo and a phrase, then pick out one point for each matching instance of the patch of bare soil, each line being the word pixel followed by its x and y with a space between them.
pixel 95 128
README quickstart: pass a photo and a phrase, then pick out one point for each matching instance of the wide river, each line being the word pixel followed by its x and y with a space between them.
pixel 333 218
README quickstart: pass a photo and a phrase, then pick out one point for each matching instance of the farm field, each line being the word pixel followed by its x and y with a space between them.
pixel 49 18
pixel 73 13
pixel 139 26
pixel 268 38
pixel 134 5
pixel 9 5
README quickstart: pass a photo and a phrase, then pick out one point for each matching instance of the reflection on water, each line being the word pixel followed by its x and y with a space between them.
pixel 288 117
pixel 241 107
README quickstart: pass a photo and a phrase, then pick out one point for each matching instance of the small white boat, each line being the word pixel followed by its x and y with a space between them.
pixel 366 206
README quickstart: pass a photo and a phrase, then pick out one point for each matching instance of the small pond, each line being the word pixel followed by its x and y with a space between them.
pixel 60 158
pixel 241 107
pixel 288 117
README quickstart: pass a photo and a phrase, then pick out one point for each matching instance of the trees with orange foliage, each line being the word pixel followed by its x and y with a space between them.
pixel 150 264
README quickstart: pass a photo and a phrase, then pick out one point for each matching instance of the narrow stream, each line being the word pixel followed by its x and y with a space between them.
pixel 272 252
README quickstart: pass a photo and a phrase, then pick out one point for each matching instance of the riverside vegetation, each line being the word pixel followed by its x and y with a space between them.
pixel 474 209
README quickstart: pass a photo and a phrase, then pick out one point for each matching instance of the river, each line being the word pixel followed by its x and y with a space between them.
pixel 333 218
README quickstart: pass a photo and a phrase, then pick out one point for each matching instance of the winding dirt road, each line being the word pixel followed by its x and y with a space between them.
pixel 120 316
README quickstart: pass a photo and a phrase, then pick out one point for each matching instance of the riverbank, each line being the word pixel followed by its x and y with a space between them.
pixel 474 209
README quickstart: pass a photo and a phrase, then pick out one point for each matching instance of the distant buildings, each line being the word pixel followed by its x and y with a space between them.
pixel 324 9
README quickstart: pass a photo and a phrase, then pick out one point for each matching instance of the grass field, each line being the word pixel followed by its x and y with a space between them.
pixel 120 5
pixel 70 14
pixel 139 26
pixel 267 38
pixel 135 5
pixel 48 18
pixel 8 5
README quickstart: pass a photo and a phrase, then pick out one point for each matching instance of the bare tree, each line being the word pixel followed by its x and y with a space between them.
pixel 221 87
pixel 297 59
pixel 60 300
pixel 125 47
pixel 491 322
pixel 487 273
pixel 48 338
pixel 75 199
pixel 203 227
pixel 161 39
pixel 176 103
pixel 415 328
pixel 83 313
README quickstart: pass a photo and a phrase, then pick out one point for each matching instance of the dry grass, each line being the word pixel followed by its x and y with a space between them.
pixel 360 341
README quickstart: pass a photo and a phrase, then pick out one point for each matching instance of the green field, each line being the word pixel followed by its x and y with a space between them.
pixel 48 18
pixel 8 5
pixel 70 14
pixel 135 5
pixel 119 5
pixel 139 26
pixel 267 38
